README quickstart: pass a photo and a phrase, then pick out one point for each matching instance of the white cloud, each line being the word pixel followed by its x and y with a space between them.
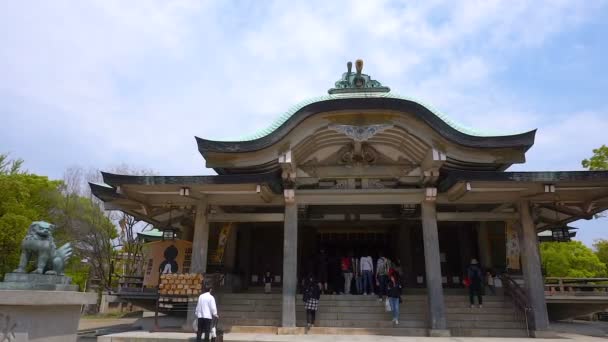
pixel 135 81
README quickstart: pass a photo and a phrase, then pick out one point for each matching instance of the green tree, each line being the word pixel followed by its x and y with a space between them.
pixel 571 259
pixel 599 160
pixel 24 198
pixel 91 233
pixel 601 250
pixel 10 166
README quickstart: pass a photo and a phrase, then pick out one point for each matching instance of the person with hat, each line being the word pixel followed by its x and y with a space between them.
pixel 475 277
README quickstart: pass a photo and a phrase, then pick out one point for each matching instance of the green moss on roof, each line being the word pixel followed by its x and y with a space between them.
pixel 293 109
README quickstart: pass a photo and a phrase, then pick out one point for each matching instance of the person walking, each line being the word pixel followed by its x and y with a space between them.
pixel 311 296
pixel 394 297
pixel 347 271
pixel 382 267
pixel 267 282
pixel 475 277
pixel 367 271
pixel 490 282
pixel 205 311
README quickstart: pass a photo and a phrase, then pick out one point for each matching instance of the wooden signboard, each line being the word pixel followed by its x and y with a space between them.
pixel 169 256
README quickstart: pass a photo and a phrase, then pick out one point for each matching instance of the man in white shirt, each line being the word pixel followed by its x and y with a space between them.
pixel 367 271
pixel 205 311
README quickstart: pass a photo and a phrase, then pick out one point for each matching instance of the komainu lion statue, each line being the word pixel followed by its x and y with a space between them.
pixel 39 240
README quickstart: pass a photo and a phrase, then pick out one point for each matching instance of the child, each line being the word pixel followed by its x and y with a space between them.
pixel 490 282
pixel 267 283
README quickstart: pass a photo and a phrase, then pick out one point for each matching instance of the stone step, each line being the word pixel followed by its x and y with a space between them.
pixel 390 331
pixel 245 314
pixel 362 317
pixel 485 332
pixel 485 324
pixel 483 317
pixel 386 323
pixel 250 329
pixel 230 321
pixel 483 311
pixel 364 306
pixel 411 297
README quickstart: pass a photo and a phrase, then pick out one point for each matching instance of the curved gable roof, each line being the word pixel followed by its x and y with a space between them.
pixel 365 101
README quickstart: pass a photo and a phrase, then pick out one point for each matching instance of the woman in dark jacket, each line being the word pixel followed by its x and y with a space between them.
pixel 394 297
pixel 311 296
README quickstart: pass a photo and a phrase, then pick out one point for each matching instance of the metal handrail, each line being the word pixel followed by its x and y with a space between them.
pixel 519 296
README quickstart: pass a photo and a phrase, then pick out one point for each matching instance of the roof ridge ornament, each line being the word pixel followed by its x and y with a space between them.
pixel 357 82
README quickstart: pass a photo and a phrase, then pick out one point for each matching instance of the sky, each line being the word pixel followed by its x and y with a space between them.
pixel 101 83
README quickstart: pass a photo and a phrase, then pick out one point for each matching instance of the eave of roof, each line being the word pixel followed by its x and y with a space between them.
pixel 103 191
pixel 454 176
pixel 272 179
pixel 362 101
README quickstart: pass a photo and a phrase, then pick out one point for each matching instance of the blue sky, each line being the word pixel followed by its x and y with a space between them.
pixel 100 83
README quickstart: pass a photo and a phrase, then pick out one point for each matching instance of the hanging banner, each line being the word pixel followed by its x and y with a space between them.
pixel 166 257
pixel 217 258
pixel 512 241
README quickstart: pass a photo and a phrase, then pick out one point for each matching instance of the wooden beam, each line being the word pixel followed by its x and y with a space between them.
pixel 503 206
pixel 288 166
pixel 475 216
pixel 458 190
pixel 433 159
pixel 430 165
pixel 237 217
pixel 264 192
pixel 567 211
pixel 358 171
pixel 360 196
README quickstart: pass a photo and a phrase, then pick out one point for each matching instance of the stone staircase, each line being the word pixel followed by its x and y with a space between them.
pixel 347 314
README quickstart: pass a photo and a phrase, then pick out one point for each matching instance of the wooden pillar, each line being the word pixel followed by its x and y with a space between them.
pixel 230 253
pixel 290 267
pixel 531 268
pixel 432 263
pixel 200 249
pixel 200 242
pixel 483 242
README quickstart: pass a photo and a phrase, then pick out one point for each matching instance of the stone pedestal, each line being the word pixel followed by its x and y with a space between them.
pixel 50 316
pixel 31 281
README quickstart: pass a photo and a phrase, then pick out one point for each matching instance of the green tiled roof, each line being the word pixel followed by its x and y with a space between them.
pixel 293 109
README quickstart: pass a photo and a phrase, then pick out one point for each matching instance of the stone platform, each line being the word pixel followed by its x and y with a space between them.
pixel 50 316
pixel 32 281
pixel 143 336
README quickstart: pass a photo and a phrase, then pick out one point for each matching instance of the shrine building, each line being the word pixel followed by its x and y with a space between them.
pixel 364 170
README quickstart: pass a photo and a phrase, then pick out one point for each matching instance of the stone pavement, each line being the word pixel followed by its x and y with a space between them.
pixel 142 336
pixel 87 324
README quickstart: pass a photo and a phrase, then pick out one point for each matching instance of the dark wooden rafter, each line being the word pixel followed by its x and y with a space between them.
pixel 572 211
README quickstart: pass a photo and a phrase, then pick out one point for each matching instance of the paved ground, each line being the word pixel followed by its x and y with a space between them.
pixel 143 336
pixel 598 329
pixel 582 331
pixel 87 324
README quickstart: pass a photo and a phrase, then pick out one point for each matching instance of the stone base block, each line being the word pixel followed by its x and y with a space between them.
pixel 543 334
pixel 37 278
pixel 33 281
pixel 50 316
pixel 439 333
pixel 290 331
